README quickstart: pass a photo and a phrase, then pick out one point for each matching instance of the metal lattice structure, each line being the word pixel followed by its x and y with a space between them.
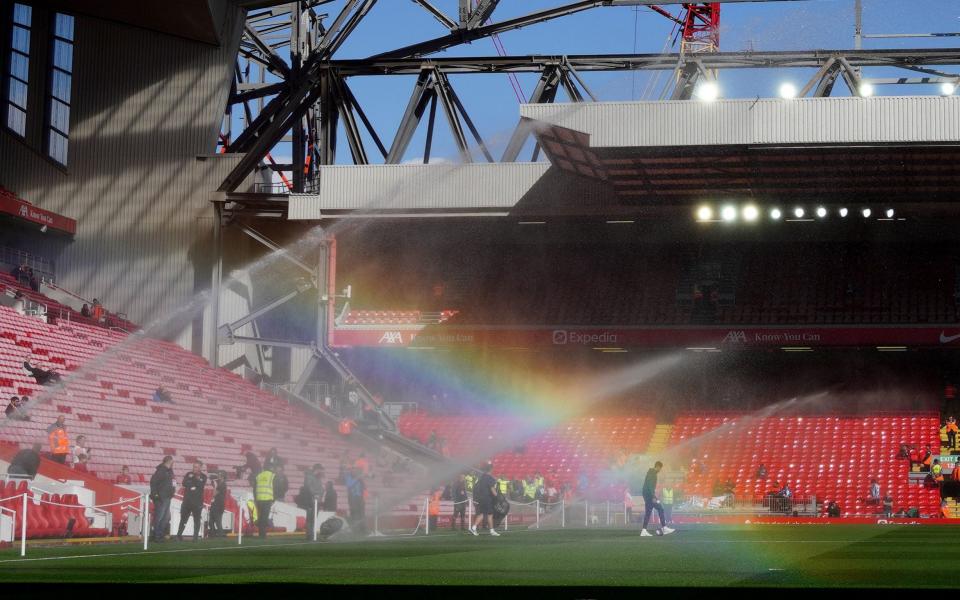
pixel 303 98
pixel 290 87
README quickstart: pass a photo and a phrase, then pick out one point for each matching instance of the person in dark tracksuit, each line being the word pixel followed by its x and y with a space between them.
pixel 194 483
pixel 215 525
pixel 650 502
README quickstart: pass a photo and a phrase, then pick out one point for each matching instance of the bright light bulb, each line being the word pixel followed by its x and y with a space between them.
pixel 707 91
pixel 866 213
pixel 821 212
pixel 947 88
pixel 866 89
pixel 798 212
pixel 728 213
pixel 889 213
pixel 704 213
pixel 750 213
pixel 843 212
pixel 788 91
pixel 775 214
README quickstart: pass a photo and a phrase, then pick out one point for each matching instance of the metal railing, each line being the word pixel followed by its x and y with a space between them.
pixel 43 268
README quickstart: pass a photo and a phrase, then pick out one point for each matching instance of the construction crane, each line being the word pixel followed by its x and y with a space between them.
pixel 699 26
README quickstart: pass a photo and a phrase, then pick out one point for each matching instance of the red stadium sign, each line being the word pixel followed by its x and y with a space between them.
pixel 698 338
pixel 20 209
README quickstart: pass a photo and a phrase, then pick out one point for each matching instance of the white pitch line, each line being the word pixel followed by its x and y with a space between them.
pixel 22 560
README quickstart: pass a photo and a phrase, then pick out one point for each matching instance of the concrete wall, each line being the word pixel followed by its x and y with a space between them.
pixel 146 112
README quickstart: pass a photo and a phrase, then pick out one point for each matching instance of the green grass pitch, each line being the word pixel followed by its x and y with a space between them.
pixel 761 555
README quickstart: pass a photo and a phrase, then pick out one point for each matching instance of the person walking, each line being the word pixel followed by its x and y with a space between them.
pixel 263 495
pixel 194 483
pixel 651 503
pixel 356 495
pixel 484 493
pixel 161 492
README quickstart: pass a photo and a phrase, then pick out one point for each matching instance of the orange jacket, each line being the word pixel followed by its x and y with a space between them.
pixel 953 427
pixel 59 442
pixel 434 507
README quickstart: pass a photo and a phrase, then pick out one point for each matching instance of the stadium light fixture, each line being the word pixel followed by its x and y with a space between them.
pixel 866 213
pixel 821 212
pixel 775 214
pixel 788 91
pixel 704 213
pixel 750 213
pixel 728 213
pixel 948 88
pixel 892 348
pixel 844 212
pixel 890 213
pixel 866 89
pixel 708 91
pixel 798 212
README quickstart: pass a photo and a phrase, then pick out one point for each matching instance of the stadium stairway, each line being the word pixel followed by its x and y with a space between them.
pixel 216 416
pixel 660 439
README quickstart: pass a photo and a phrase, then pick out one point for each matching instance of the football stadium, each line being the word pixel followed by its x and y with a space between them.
pixel 347 293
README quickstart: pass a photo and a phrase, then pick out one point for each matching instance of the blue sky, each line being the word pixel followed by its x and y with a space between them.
pixel 492 102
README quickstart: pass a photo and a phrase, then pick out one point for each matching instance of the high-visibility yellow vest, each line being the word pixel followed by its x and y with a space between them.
pixel 503 483
pixel 529 490
pixel 468 482
pixel 263 490
pixel 252 510
pixel 666 495
pixel 538 482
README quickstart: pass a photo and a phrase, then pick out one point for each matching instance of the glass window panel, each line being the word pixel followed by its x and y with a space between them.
pixel 19 66
pixel 16 120
pixel 60 116
pixel 22 14
pixel 58 147
pixel 17 93
pixel 61 85
pixel 21 39
pixel 63 55
pixel 63 26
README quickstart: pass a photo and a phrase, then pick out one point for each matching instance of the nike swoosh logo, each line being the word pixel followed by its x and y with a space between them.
pixel 946 339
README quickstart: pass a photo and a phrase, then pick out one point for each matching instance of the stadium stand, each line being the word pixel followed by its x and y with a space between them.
pixel 830 457
pixel 561 453
pixel 216 415
pixel 599 285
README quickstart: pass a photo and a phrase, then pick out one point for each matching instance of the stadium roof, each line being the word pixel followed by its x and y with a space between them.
pixel 614 158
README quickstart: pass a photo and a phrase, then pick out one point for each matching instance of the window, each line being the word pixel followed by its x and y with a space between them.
pixel 18 73
pixel 58 96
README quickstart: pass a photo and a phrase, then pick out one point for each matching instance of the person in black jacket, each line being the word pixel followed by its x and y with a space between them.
pixel 330 498
pixel 280 484
pixel 253 463
pixel 460 499
pixel 26 462
pixel 193 485
pixel 272 460
pixel 651 502
pixel 42 376
pixel 161 492
pixel 219 481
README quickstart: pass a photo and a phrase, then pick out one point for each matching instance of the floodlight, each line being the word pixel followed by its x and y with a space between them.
pixel 821 212
pixel 775 214
pixel 843 212
pixel 750 213
pixel 788 91
pixel 798 212
pixel 708 91
pixel 866 213
pixel 866 89
pixel 728 213
pixel 947 88
pixel 704 213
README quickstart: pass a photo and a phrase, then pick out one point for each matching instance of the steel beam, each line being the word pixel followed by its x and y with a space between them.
pixel 438 14
pixel 422 90
pixel 545 92
pixel 227 329
pixel 275 248
pixel 256 341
